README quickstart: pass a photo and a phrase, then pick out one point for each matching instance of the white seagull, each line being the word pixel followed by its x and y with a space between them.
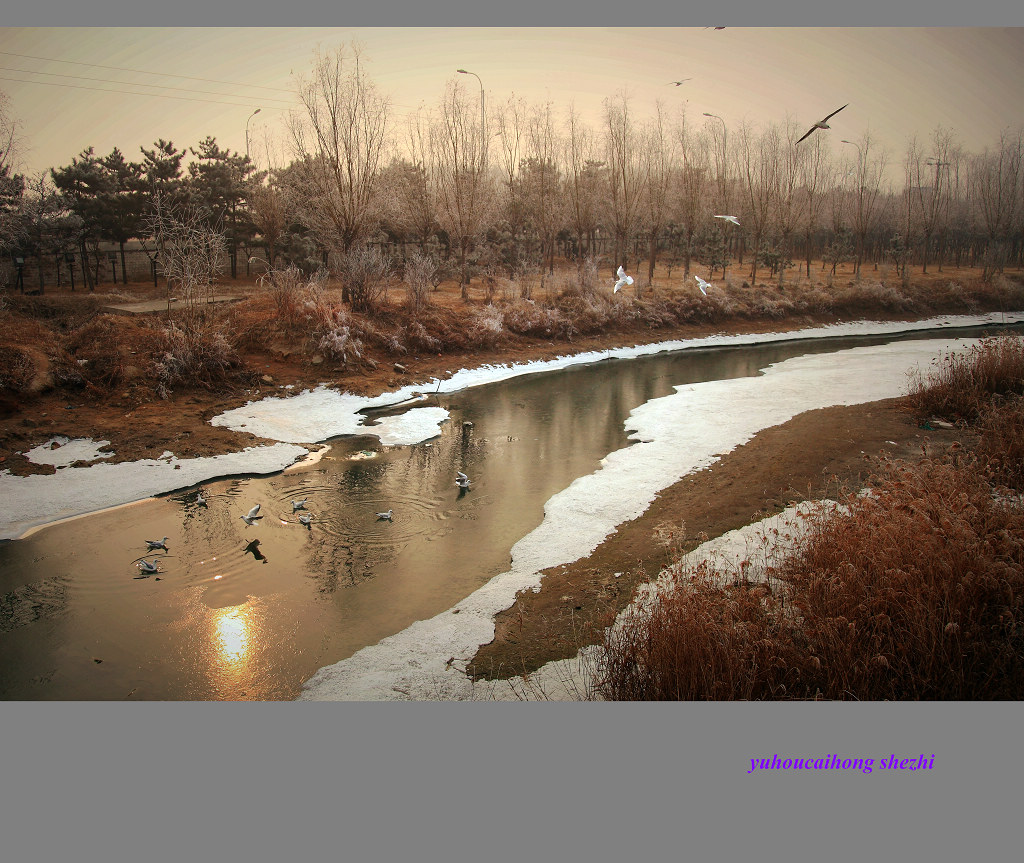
pixel 823 123
pixel 384 516
pixel 147 567
pixel 252 517
pixel 306 519
pixel 732 219
pixel 200 500
pixel 702 285
pixel 623 280
pixel 461 480
pixel 154 544
pixel 678 83
pixel 298 504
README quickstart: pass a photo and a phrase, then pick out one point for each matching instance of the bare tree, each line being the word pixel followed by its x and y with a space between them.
pixel 459 171
pixel 816 175
pixel 694 185
pixel 789 203
pixel 339 140
pixel 867 194
pixel 12 184
pixel 418 277
pixel 627 173
pixel 997 188
pixel 759 157
pixel 584 180
pixel 542 180
pixel 661 156
pixel 191 256
pixel 268 211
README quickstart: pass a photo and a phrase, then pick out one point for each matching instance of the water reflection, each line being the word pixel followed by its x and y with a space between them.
pixel 239 616
pixel 231 636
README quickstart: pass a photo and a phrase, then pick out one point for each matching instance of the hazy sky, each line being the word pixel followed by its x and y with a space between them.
pixel 68 89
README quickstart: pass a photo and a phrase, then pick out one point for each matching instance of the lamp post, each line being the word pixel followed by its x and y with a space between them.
pixel 483 115
pixel 721 171
pixel 861 227
pixel 253 114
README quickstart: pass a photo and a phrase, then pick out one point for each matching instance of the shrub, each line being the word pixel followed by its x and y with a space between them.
pixel 960 384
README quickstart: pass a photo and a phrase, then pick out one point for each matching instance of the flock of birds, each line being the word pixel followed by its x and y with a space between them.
pixel 150 567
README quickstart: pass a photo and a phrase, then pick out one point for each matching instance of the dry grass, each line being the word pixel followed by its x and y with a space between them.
pixel 960 385
pixel 857 610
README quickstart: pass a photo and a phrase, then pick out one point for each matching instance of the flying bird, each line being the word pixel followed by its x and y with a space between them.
pixel 702 285
pixel 385 516
pixel 461 480
pixel 154 544
pixel 823 123
pixel 252 516
pixel 623 280
pixel 678 83
pixel 732 219
pixel 298 504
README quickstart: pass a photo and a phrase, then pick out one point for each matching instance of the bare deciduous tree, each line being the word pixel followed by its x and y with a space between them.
pixel 584 181
pixel 191 256
pixel 627 173
pixel 460 173
pixel 339 140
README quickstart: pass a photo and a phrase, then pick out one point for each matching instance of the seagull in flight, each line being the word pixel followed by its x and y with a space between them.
pixel 732 219
pixel 623 280
pixel 298 504
pixel 461 480
pixel 385 516
pixel 823 123
pixel 154 544
pixel 252 516
pixel 702 285
pixel 678 83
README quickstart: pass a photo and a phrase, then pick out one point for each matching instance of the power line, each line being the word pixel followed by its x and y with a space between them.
pixel 135 93
pixel 129 83
pixel 144 72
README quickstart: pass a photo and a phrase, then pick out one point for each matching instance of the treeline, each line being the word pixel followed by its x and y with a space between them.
pixel 512 191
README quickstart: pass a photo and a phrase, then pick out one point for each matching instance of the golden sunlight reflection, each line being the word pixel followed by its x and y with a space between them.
pixel 232 634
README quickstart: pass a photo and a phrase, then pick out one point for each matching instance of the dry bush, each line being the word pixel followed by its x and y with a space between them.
pixel 108 351
pixel 196 354
pixel 17 369
pixel 856 611
pixel 528 318
pixel 941 617
pixel 1001 442
pixel 418 277
pixel 961 384
pixel 484 327
pixel 365 272
pixel 861 297
pixel 701 641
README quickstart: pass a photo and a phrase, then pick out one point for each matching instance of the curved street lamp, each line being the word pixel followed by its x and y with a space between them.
pixel 483 115
pixel 253 114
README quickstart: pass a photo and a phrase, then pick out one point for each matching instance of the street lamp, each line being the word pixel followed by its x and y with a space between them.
pixel 253 114
pixel 483 116
pixel 721 173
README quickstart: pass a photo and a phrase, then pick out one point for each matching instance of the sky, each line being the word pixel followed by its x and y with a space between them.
pixel 70 88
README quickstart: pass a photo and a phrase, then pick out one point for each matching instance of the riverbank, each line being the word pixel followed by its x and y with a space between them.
pixel 812 456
